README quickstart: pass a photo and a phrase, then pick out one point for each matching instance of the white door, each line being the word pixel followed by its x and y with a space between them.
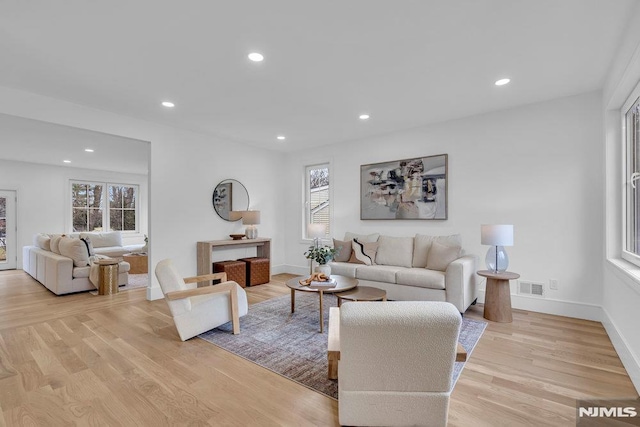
pixel 8 243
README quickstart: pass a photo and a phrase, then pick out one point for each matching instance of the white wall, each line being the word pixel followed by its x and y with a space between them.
pixel 44 199
pixel 621 281
pixel 185 167
pixel 538 167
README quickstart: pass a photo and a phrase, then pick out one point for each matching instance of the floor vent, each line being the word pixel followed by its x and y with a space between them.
pixel 534 289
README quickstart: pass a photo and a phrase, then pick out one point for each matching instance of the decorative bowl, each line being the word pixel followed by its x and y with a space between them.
pixel 236 236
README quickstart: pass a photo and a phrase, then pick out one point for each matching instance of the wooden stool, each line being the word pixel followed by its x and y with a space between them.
pixel 258 270
pixel 108 276
pixel 236 271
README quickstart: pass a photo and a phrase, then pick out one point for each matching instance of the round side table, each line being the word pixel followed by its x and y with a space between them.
pixel 497 299
pixel 108 278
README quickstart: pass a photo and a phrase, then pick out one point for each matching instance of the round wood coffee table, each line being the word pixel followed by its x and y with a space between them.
pixel 343 284
pixel 362 293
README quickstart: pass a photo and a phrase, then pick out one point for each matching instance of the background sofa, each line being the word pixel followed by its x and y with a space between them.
pixel 419 268
pixel 64 269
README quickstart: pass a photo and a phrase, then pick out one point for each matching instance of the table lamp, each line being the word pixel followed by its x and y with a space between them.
pixel 250 219
pixel 497 236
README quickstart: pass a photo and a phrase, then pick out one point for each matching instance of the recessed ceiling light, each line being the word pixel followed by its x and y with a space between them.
pixel 168 104
pixel 281 137
pixel 89 150
pixel 67 161
pixel 364 117
pixel 256 57
pixel 502 82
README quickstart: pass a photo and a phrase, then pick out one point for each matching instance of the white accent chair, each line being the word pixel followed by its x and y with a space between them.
pixel 396 362
pixel 197 310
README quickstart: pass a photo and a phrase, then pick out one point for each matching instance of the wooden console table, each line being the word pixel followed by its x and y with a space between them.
pixel 205 250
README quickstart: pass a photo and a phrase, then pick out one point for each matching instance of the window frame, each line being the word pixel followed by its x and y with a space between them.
pixel 106 209
pixel 632 100
pixel 306 189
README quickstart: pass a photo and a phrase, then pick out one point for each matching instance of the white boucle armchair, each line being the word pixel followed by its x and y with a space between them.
pixel 197 310
pixel 396 362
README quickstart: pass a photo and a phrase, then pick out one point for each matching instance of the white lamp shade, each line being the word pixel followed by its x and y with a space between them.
pixel 250 217
pixel 496 235
pixel 316 230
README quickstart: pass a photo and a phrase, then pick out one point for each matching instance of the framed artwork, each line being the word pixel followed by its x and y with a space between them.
pixel 413 188
pixel 223 199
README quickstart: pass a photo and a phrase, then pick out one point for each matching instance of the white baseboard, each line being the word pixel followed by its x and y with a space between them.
pixel 154 293
pixel 630 360
pixel 578 310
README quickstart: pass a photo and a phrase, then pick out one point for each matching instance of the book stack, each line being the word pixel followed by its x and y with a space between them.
pixel 331 283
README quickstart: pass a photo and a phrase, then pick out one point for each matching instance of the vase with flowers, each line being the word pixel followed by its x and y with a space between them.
pixel 322 255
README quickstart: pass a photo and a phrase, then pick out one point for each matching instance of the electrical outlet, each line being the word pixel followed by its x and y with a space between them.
pixel 553 284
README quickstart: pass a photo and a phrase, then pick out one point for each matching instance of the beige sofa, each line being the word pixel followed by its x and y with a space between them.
pixel 68 272
pixel 419 268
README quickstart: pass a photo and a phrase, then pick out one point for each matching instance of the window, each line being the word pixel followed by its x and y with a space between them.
pixel 631 208
pixel 317 193
pixel 89 199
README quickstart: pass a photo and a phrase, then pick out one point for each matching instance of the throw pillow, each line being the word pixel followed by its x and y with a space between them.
pixel 87 242
pixel 440 256
pixel 74 249
pixel 363 253
pixel 55 242
pixel 422 244
pixel 343 250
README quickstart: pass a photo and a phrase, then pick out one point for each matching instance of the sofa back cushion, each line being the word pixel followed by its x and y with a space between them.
pixel 43 241
pixel 396 251
pixel 104 240
pixel 440 256
pixel 422 244
pixel 363 238
pixel 74 249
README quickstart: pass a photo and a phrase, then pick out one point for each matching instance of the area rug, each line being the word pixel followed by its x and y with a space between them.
pixel 291 345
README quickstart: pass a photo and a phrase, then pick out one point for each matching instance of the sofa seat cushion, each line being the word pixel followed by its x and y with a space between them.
pixel 344 269
pixel 421 278
pixel 81 272
pixel 378 273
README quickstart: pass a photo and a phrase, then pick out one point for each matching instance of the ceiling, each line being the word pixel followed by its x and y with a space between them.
pixel 33 141
pixel 406 63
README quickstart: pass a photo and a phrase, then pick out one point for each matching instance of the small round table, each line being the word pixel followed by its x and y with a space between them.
pixel 497 299
pixel 343 284
pixel 362 293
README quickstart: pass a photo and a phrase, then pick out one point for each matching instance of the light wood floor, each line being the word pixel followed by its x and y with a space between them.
pixel 117 360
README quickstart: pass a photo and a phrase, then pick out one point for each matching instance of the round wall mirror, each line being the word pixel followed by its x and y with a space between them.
pixel 230 195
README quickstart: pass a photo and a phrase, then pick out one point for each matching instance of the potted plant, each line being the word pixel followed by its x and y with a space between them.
pixel 322 255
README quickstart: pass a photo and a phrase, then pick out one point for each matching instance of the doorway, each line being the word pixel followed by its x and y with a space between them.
pixel 8 242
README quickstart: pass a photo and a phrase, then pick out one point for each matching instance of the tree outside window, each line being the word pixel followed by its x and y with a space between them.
pixel 89 201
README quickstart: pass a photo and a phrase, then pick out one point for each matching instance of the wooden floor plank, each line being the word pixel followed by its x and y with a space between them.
pixel 117 360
